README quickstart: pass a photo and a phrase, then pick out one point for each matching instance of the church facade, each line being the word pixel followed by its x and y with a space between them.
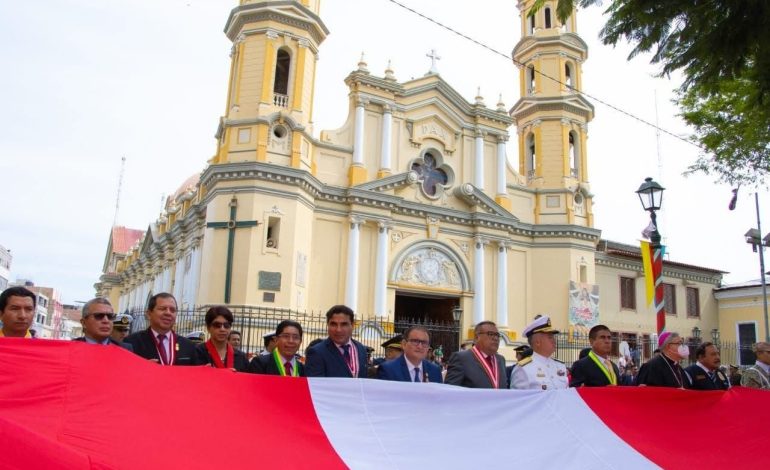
pixel 411 209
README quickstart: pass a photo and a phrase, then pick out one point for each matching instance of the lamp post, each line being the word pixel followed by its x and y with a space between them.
pixel 457 315
pixel 715 336
pixel 651 196
pixel 753 237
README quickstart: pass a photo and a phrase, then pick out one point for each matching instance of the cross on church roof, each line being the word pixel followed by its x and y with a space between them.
pixel 433 58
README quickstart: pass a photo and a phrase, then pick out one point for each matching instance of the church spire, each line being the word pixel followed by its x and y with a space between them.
pixel 552 116
pixel 270 91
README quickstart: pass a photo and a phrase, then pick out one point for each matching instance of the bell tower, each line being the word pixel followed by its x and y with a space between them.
pixel 268 116
pixel 552 116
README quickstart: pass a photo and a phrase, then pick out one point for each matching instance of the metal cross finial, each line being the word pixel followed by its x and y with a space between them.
pixel 433 58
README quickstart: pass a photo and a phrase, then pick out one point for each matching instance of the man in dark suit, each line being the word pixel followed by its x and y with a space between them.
pixel 412 365
pixel 479 366
pixel 338 355
pixel 664 370
pixel 596 369
pixel 97 323
pixel 283 359
pixel 705 374
pixel 159 343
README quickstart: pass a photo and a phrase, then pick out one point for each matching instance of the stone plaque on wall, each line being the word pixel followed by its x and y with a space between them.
pixel 269 281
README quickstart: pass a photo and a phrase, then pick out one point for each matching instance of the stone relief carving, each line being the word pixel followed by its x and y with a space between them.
pixel 429 267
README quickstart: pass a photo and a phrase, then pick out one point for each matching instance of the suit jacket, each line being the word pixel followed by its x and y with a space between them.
pixel 144 346
pixel 111 341
pixel 586 372
pixel 325 360
pixel 699 379
pixel 398 370
pixel 464 370
pixel 265 364
pixel 755 377
pixel 240 363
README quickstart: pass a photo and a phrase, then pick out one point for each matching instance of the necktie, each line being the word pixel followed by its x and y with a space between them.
pixel 346 353
pixel 417 374
pixel 162 349
pixel 288 368
pixel 489 362
pixel 711 376
pixel 610 371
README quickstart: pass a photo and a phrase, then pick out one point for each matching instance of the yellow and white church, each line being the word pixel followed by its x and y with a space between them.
pixel 411 208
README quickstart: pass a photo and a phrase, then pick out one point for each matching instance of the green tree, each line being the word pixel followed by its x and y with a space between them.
pixel 722 47
pixel 729 128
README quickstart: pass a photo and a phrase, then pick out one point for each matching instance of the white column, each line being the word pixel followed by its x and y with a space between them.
pixel 167 279
pixel 179 279
pixel 501 167
pixel 478 162
pixel 196 275
pixel 478 278
pixel 351 278
pixel 387 133
pixel 502 284
pixel 381 275
pixel 358 134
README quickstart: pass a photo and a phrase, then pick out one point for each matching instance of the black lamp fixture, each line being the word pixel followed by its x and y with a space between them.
pixel 651 195
pixel 457 313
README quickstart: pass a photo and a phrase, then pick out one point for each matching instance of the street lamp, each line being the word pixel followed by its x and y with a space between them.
pixel 696 332
pixel 651 196
pixel 457 315
pixel 753 238
pixel 715 336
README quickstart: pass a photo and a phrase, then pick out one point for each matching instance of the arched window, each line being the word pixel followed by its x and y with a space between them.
pixel 547 18
pixel 531 162
pixel 568 75
pixel 574 155
pixel 531 25
pixel 281 83
pixel 530 79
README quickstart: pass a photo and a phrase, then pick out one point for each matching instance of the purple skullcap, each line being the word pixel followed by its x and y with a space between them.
pixel 662 338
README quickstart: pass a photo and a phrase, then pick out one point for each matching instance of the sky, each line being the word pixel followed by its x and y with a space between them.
pixel 87 82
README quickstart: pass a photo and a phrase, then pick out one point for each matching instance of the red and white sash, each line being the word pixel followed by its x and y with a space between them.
pixel 492 372
pixel 173 347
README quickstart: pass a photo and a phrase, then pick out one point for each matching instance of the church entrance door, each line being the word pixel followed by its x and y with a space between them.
pixel 434 312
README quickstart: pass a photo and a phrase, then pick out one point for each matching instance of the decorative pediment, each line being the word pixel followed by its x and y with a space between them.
pixel 430 264
pixel 433 127
pixel 473 197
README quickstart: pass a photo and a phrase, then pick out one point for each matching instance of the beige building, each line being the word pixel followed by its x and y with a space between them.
pixel 742 320
pixel 408 210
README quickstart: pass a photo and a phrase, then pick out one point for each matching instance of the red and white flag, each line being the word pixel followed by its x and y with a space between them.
pixel 72 405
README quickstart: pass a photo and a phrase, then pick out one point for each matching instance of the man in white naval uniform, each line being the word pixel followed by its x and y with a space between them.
pixel 539 371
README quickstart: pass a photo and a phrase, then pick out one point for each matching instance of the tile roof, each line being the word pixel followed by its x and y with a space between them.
pixel 124 238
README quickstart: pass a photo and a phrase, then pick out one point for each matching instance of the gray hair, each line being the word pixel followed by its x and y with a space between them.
pixel 99 300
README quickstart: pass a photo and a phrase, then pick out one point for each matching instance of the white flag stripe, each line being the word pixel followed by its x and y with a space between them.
pixel 378 424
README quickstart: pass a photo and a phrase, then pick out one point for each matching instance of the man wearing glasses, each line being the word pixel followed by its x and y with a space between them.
pixel 664 370
pixel 97 323
pixel 479 366
pixel 159 342
pixel 412 365
pixel 758 375
pixel 539 371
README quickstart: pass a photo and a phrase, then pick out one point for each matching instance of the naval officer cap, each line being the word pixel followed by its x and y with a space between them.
pixel 122 321
pixel 540 325
pixel 394 342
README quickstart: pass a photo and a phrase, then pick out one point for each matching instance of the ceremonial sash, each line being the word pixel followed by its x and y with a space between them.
pixel 353 364
pixel 217 361
pixel 173 347
pixel 492 374
pixel 611 377
pixel 281 368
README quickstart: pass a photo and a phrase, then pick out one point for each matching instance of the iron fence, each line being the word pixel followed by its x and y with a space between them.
pixel 255 322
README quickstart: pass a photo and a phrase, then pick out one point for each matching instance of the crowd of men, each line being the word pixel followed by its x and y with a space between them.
pixel 407 357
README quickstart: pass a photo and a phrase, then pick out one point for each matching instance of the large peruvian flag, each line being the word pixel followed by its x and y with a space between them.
pixel 72 405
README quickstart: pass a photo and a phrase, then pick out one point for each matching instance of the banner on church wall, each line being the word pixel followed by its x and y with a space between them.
pixel 583 306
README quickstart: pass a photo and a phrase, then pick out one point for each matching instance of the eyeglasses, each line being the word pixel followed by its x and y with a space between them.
pixel 219 324
pixel 491 334
pixel 418 342
pixel 290 337
pixel 102 316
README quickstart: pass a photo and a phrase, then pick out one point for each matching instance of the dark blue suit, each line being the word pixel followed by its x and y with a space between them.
pixel 398 370
pixel 325 360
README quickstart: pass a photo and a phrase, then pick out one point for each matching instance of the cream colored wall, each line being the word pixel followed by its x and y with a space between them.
pixel 327 270
pixel 643 319
pixel 746 308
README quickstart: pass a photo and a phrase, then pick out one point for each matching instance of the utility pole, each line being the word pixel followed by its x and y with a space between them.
pixel 120 186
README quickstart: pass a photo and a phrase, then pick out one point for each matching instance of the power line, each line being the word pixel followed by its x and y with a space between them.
pixel 593 98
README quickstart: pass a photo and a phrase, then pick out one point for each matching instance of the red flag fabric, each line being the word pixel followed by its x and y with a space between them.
pixel 80 406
